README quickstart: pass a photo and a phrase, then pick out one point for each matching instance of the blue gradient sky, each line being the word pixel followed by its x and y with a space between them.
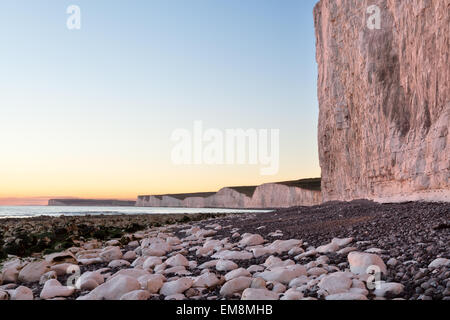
pixel 89 113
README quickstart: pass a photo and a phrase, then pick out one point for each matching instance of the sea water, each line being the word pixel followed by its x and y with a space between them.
pixel 55 211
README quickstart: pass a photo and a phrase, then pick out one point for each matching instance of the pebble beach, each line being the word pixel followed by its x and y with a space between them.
pixel 337 251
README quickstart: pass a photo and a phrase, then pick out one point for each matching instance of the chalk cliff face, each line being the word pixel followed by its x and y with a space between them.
pixel 270 195
pixel 384 98
pixel 274 195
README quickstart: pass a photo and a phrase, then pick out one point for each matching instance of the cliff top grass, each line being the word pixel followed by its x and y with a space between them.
pixel 247 190
pixel 308 184
pixel 182 196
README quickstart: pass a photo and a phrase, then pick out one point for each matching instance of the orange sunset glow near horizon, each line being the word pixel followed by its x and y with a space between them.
pixel 89 113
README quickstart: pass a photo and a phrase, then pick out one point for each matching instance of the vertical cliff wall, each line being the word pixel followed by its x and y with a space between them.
pixel 384 98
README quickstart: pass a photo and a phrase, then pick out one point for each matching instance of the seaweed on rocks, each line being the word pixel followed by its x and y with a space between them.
pixel 25 237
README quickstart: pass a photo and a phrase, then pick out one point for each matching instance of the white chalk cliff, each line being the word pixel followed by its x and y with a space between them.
pixel 271 195
pixel 384 97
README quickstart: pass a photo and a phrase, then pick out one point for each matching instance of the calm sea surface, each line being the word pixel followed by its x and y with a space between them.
pixel 31 211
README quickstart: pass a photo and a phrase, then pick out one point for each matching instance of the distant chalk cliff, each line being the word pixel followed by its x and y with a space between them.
pixel 90 202
pixel 272 195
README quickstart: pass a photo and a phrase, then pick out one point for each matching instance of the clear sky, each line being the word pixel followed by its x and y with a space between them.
pixel 90 112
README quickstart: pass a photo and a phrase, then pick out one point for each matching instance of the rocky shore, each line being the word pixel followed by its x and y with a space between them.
pixel 337 251
pixel 42 235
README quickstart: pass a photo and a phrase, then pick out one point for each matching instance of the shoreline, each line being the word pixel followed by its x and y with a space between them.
pixel 141 212
pixel 32 236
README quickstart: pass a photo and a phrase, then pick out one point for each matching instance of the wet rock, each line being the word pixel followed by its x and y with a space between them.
pixel 208 264
pixel 226 265
pixel 177 260
pixel 298 282
pixel 235 285
pixel 113 289
pixel 53 288
pixel 328 248
pixel 272 261
pixel 4 295
pixel 233 255
pixel 335 283
pixel 359 291
pixel 22 293
pixel 152 282
pixel 258 283
pixel 33 271
pixel 112 243
pixel 133 244
pixel 176 287
pixel 134 273
pixel 64 268
pixel 10 275
pixel 47 276
pixel 347 250
pixel 176 297
pixel 259 294
pixel 111 253
pixel 295 251
pixel 322 260
pixel 281 246
pixel 151 262
pixel 342 242
pixel 374 250
pixel 360 262
pixel 292 295
pixel 61 257
pixel 207 280
pixel 278 287
pixel 241 272
pixel 392 262
pixel 283 274
pixel 136 295
pixel 118 264
pixel 179 271
pixel 90 280
pixel 306 254
pixel 346 296
pixel 129 256
pixel 89 261
pixel 150 252
pixel 438 263
pixel 255 268
pixel 389 289
pixel 251 240
pixel 316 271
